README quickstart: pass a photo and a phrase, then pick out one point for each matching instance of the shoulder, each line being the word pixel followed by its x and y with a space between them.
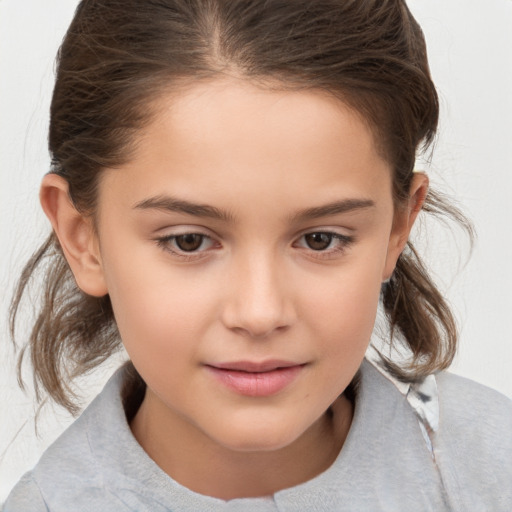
pixel 467 428
pixel 473 444
pixel 26 495
pixel 473 409
pixel 62 476
pixel 70 473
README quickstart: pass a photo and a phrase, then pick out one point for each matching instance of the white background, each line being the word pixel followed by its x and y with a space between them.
pixel 470 49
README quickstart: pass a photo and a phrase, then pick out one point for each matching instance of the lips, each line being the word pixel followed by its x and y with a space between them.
pixel 256 379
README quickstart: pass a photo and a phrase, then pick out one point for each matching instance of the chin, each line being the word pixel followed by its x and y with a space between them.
pixel 256 445
pixel 268 438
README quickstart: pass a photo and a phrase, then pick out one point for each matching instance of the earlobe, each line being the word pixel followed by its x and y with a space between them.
pixel 76 235
pixel 404 220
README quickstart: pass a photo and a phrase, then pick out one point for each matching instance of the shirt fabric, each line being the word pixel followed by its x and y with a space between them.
pixel 443 445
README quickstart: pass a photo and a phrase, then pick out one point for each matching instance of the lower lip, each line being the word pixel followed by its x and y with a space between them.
pixel 257 383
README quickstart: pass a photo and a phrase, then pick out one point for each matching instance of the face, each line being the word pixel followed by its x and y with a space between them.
pixel 243 249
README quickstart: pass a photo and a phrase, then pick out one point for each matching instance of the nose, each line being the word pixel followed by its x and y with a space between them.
pixel 259 302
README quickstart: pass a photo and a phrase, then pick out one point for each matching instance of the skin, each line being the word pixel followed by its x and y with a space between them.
pixel 254 289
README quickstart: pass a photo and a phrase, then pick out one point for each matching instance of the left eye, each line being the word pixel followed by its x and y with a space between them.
pixel 318 241
pixel 323 241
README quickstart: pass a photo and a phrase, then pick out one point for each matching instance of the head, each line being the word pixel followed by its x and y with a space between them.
pixel 128 71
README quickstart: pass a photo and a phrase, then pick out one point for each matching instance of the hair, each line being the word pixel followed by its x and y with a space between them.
pixel 119 56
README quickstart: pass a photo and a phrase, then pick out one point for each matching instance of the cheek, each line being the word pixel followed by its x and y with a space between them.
pixel 159 312
pixel 346 301
pixel 346 323
pixel 342 317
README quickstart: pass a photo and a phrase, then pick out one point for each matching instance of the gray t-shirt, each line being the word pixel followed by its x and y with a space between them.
pixel 445 447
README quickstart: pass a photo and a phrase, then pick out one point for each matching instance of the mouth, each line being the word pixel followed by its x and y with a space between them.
pixel 256 379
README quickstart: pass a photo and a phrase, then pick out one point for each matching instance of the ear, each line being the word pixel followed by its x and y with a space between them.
pixel 75 233
pixel 403 221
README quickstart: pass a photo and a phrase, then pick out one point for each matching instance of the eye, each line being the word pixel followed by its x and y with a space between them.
pixel 186 245
pixel 189 242
pixel 318 241
pixel 324 242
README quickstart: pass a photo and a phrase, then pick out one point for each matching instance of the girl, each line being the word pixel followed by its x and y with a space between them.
pixel 231 195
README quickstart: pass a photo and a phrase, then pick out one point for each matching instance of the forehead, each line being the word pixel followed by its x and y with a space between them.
pixel 230 111
pixel 230 137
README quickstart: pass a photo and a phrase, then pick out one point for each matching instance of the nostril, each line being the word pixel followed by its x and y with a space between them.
pixel 258 332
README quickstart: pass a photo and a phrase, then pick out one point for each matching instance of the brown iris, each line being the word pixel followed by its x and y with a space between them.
pixel 189 242
pixel 318 241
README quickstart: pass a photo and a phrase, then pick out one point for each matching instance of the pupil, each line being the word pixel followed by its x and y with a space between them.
pixel 189 242
pixel 318 241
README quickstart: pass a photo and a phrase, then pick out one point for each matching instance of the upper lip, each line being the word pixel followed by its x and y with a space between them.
pixel 255 366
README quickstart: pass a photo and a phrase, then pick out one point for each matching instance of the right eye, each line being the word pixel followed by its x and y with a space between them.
pixel 189 242
pixel 186 244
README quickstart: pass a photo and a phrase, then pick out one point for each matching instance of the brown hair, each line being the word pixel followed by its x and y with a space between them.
pixel 118 56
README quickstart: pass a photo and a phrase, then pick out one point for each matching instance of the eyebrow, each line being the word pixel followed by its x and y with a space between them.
pixel 172 204
pixel 334 208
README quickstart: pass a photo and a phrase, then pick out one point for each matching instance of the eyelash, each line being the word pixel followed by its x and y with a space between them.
pixel 343 243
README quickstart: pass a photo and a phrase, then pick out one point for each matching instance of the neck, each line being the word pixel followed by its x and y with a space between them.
pixel 198 463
